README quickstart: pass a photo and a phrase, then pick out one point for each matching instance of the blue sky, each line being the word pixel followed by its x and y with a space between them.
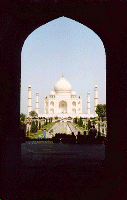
pixel 62 46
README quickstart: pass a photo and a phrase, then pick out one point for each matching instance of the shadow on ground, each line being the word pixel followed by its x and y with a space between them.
pixel 65 171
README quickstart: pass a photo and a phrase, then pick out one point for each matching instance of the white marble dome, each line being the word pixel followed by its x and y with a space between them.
pixel 73 93
pixel 52 93
pixel 63 85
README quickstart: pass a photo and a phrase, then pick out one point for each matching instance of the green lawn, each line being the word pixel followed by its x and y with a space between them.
pixel 81 128
pixel 40 132
pixel 49 126
pixel 36 135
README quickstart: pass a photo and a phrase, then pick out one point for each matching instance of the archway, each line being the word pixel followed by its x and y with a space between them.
pixel 52 103
pixel 74 103
pixel 73 110
pixel 62 107
pixel 47 44
pixel 51 110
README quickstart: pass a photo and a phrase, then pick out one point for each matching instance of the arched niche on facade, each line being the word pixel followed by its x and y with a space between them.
pixel 79 103
pixel 62 107
pixel 51 110
pixel 52 96
pixel 73 110
pixel 52 103
pixel 73 96
pixel 74 103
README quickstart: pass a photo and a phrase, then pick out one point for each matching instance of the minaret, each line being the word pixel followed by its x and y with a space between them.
pixel 88 103
pixel 37 103
pixel 95 98
pixel 29 101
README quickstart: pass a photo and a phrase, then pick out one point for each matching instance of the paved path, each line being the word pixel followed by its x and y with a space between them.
pixel 45 153
pixel 61 127
pixel 64 127
pixel 65 172
pixel 73 129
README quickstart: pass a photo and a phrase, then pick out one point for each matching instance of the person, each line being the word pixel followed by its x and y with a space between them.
pixel 84 133
pixel 78 132
pixel 93 131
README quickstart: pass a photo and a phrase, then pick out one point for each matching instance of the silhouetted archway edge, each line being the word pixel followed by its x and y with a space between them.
pixel 17 20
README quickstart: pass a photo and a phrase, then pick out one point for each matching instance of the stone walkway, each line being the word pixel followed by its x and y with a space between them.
pixel 64 127
pixel 50 154
pixel 52 171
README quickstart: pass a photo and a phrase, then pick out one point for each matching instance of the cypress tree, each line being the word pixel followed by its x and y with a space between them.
pixel 36 125
pixel 76 120
pixel 39 125
pixel 33 127
pixel 89 124
pixel 80 122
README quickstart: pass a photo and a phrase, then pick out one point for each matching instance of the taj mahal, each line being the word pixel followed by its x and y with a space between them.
pixel 63 102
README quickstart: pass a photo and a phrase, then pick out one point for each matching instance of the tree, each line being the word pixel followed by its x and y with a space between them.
pixel 89 124
pixel 22 126
pixel 39 125
pixel 93 122
pixel 99 127
pixel 33 128
pixel 101 110
pixel 81 122
pixel 22 117
pixel 75 120
pixel 33 114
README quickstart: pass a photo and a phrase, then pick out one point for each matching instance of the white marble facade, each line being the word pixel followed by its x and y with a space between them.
pixel 63 102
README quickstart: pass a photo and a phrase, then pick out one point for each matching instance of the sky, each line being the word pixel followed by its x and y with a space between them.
pixel 62 46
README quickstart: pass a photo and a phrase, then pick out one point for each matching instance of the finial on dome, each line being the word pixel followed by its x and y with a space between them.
pixel 62 75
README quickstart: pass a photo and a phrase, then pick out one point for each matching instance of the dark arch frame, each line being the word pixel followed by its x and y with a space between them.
pixel 17 20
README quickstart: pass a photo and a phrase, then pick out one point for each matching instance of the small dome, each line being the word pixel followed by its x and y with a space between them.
pixel 96 86
pixel 63 85
pixel 29 86
pixel 52 93
pixel 73 93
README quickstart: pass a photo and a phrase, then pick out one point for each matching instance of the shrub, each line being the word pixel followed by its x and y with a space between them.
pixel 33 128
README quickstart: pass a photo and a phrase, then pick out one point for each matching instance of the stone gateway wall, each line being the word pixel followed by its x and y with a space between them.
pixel 17 20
